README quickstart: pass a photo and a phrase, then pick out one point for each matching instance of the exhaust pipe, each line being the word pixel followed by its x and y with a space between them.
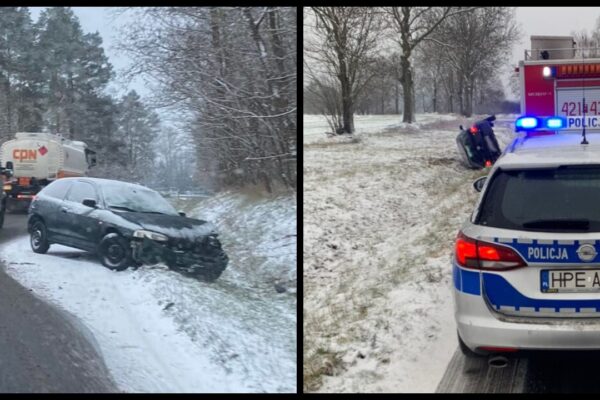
pixel 497 361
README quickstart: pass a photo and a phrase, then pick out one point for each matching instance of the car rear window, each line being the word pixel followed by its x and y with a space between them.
pixel 57 189
pixel 564 199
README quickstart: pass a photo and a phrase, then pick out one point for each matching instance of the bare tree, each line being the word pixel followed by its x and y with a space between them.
pixel 412 25
pixel 345 38
pixel 232 72
pixel 588 44
pixel 476 45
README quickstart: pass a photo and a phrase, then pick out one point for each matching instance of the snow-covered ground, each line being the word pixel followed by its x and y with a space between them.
pixel 381 211
pixel 161 332
pixel 315 126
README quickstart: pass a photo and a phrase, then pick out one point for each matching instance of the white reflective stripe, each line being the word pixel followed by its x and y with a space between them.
pixel 587 310
pixel 505 240
pixel 507 308
pixel 545 241
pixel 587 242
pixel 498 264
pixel 524 240
pixel 547 310
pixel 566 310
pixel 527 309
pixel 566 242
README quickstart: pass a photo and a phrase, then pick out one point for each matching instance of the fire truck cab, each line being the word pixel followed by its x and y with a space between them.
pixel 558 79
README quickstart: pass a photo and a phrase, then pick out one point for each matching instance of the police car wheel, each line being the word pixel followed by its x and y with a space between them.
pixel 467 352
pixel 39 238
pixel 115 252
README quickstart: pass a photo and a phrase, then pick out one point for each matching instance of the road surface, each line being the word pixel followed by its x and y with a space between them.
pixel 43 349
pixel 527 372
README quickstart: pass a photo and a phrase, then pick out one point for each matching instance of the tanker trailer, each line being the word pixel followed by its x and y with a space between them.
pixel 38 159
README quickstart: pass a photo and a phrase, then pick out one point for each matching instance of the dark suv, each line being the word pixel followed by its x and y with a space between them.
pixel 126 225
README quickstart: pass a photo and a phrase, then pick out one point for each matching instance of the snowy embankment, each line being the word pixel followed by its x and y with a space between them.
pixel 381 211
pixel 161 332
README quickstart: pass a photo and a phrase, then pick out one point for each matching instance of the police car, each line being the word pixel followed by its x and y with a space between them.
pixel 526 266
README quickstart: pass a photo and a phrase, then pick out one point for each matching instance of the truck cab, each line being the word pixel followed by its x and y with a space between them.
pixel 5 175
pixel 559 79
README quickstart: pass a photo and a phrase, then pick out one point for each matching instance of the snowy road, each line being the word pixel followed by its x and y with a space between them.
pixel 43 349
pixel 159 331
pixel 526 372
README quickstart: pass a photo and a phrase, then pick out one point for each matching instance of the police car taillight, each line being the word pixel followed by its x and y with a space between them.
pixel 471 253
pixel 465 250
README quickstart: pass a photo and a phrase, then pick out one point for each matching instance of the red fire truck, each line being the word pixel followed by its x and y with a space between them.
pixel 560 87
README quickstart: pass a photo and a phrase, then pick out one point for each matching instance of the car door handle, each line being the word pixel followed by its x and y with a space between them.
pixel 64 209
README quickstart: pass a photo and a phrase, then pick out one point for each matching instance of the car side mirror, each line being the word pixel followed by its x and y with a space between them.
pixel 9 165
pixel 479 183
pixel 181 213
pixel 89 203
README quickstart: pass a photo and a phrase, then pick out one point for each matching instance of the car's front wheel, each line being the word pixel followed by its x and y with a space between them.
pixel 39 237
pixel 115 252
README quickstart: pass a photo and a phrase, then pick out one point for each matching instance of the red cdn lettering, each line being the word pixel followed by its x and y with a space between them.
pixel 21 154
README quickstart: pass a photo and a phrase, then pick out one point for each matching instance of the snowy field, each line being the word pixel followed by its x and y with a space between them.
pixel 381 211
pixel 315 125
pixel 161 332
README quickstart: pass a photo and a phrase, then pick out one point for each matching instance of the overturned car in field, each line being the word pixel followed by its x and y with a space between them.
pixel 125 225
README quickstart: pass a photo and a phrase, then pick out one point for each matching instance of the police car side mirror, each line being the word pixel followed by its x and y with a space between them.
pixel 478 184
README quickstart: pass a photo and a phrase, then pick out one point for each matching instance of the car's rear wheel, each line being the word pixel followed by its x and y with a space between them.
pixel 115 252
pixel 39 237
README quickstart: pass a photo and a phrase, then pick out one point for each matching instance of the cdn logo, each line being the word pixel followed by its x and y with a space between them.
pixel 21 154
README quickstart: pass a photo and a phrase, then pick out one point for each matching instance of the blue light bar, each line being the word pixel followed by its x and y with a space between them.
pixel 555 123
pixel 524 123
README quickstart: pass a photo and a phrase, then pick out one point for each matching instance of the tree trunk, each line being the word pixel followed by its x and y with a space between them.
pixel 408 88
pixel 435 89
pixel 469 100
pixel 347 106
pixel 460 94
pixel 8 106
pixel 397 100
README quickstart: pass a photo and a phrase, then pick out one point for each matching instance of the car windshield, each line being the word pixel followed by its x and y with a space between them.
pixel 135 198
pixel 561 199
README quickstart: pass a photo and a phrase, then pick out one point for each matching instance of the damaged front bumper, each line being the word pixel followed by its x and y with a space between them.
pixel 204 257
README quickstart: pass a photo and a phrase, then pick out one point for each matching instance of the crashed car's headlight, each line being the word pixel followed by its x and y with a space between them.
pixel 142 234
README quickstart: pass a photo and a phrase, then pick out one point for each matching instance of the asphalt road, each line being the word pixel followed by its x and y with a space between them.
pixel 526 372
pixel 43 349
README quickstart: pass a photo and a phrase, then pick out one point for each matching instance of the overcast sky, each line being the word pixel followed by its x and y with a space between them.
pixel 552 21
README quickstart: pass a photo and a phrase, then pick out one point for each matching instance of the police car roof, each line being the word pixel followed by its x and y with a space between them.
pixel 551 151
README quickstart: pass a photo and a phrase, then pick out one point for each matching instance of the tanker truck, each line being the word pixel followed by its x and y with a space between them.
pixel 37 160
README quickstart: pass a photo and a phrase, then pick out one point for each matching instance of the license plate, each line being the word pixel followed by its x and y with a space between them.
pixel 567 280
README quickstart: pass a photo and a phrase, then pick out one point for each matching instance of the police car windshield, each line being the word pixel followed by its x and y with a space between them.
pixel 565 199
